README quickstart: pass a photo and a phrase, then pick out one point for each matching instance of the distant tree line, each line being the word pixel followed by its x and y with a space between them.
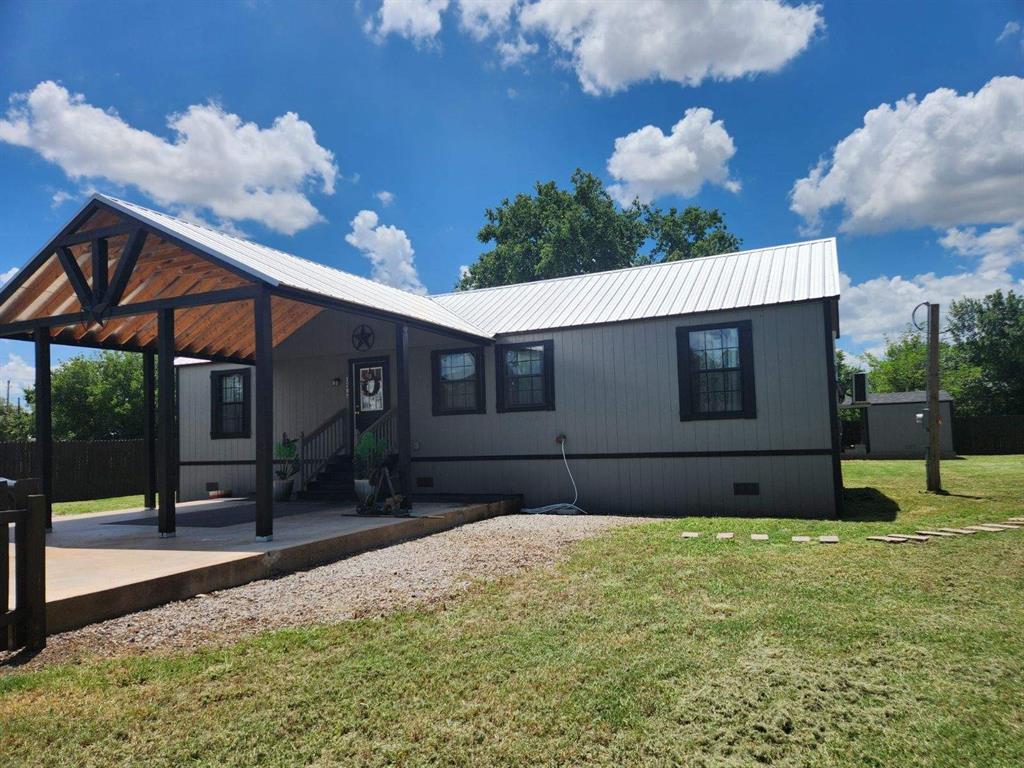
pixel 981 357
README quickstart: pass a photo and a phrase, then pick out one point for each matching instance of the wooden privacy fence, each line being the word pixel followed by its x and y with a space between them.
pixel 82 469
pixel 23 624
pixel 988 434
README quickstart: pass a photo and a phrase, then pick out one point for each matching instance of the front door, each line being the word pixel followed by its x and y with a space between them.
pixel 371 396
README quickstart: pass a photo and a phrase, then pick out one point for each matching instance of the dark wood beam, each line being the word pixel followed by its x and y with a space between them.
pixel 44 421
pixel 139 308
pixel 75 277
pixel 125 266
pixel 100 233
pixel 149 427
pixel 121 347
pixel 262 319
pixel 168 452
pixel 403 426
pixel 100 263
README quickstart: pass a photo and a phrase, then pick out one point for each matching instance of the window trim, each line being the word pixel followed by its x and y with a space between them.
pixel 437 406
pixel 216 433
pixel 749 395
pixel 549 376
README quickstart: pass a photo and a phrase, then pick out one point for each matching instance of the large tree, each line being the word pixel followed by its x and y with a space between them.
pixel 557 232
pixel 903 367
pixel 990 333
pixel 97 398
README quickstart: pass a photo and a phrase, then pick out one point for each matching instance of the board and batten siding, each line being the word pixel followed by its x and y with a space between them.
pixel 617 392
pixel 616 396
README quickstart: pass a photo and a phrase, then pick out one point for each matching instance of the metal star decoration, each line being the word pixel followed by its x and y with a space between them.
pixel 362 338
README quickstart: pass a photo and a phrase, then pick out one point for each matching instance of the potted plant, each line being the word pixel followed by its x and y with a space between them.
pixel 284 475
pixel 369 456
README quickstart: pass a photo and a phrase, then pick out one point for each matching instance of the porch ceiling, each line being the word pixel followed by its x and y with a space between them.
pixel 163 270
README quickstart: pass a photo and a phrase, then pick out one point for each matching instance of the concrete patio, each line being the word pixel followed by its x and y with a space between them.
pixel 107 564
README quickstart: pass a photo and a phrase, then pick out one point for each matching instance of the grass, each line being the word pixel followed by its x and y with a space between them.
pixel 98 505
pixel 640 649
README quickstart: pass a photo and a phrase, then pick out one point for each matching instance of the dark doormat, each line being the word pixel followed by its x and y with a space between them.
pixel 219 517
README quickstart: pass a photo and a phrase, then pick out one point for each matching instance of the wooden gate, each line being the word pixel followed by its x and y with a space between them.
pixel 24 624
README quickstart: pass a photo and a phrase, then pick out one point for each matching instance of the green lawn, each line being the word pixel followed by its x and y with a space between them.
pixel 97 505
pixel 641 649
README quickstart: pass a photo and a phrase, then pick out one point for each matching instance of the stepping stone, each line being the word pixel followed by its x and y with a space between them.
pixel 759 537
pixel 1003 526
pixel 801 539
pixel 887 539
pixel 1016 519
pixel 690 534
pixel 828 539
pixel 940 534
pixel 960 531
pixel 724 535
pixel 912 537
pixel 985 528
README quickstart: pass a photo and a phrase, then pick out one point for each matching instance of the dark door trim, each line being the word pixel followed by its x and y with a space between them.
pixel 383 361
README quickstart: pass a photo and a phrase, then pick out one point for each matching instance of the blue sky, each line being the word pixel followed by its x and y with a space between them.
pixel 451 108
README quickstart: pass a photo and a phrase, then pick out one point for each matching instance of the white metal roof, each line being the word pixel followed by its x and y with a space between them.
pixel 776 275
pixel 763 276
pixel 278 268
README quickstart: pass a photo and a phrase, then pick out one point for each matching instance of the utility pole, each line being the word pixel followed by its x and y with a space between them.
pixel 934 426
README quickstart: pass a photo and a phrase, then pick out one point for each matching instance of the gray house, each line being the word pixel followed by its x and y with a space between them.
pixel 890 429
pixel 695 387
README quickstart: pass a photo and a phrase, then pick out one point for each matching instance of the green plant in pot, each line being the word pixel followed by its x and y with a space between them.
pixel 286 453
pixel 369 455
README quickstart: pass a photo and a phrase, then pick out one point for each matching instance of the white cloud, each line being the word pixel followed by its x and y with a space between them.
pixel 614 44
pixel 511 53
pixel 483 18
pixel 463 270
pixel 386 198
pixel 215 161
pixel 8 275
pixel 944 161
pixel 649 164
pixel 882 305
pixel 20 373
pixel 389 251
pixel 416 20
pixel 1011 30
pixel 60 197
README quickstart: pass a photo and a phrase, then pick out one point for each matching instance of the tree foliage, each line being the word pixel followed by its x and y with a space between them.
pixel 903 367
pixel 16 424
pixel 558 232
pixel 97 398
pixel 990 334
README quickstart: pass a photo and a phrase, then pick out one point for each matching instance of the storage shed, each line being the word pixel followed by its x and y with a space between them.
pixel 890 429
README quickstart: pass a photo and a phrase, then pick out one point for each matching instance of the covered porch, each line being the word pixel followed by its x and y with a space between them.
pixel 123 277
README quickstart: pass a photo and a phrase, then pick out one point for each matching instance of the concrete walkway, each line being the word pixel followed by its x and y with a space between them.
pixel 97 570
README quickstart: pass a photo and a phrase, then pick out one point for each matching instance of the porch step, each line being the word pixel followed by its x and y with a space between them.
pixel 334 483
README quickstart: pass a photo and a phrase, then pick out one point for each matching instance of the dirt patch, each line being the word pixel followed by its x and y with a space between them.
pixel 427 571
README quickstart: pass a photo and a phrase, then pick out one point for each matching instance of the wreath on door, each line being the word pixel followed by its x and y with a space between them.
pixel 370 384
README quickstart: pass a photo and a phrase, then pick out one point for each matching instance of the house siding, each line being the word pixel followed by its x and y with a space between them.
pixel 616 394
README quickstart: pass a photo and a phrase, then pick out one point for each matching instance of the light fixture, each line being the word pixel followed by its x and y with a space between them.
pixel 336 381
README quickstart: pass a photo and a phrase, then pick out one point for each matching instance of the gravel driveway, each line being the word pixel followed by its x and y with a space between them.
pixel 426 571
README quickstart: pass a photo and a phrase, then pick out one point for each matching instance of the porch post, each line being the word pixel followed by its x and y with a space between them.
pixel 404 428
pixel 44 421
pixel 264 416
pixel 149 428
pixel 168 454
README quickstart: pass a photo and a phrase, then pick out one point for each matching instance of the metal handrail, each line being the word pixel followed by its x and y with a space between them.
pixel 320 445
